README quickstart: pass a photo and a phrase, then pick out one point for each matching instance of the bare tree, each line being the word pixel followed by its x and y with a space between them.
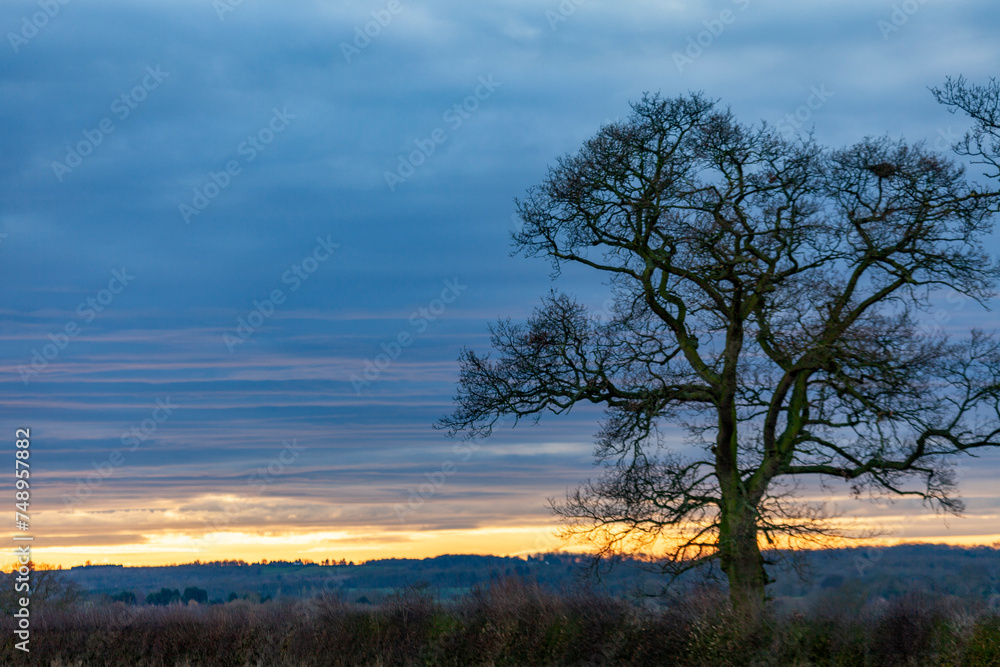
pixel 769 297
pixel 982 105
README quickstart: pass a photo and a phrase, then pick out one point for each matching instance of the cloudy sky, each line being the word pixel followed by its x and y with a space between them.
pixel 215 215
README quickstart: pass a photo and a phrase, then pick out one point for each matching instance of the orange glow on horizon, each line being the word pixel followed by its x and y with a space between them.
pixel 174 549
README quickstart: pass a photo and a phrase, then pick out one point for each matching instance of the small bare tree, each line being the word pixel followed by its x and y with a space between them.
pixel 768 299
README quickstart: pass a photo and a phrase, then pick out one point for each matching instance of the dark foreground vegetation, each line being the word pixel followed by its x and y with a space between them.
pixel 511 622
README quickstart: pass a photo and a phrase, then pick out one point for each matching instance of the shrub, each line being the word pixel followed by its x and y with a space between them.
pixel 515 622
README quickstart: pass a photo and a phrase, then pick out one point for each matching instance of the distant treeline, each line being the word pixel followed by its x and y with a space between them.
pixel 971 572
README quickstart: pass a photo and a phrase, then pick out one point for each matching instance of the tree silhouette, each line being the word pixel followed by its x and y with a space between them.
pixel 769 298
pixel 164 597
pixel 982 105
pixel 128 597
pixel 198 595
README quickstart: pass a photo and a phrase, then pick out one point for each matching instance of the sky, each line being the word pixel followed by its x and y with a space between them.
pixel 215 215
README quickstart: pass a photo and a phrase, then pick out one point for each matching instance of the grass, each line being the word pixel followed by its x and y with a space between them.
pixel 512 622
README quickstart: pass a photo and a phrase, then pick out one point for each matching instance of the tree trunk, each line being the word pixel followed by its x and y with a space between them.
pixel 742 561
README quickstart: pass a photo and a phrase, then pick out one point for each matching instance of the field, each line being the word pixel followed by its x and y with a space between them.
pixel 904 605
pixel 511 620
